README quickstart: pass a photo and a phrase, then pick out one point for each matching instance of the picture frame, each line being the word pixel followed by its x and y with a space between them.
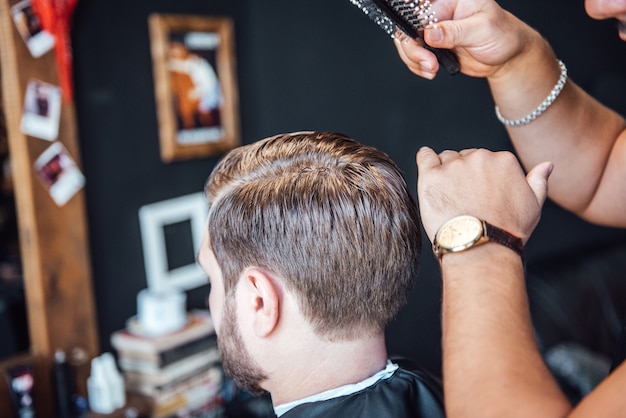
pixel 189 211
pixel 195 81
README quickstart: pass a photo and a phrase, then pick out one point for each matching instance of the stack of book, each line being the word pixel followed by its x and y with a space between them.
pixel 179 372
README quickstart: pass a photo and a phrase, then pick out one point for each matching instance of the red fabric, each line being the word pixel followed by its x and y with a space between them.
pixel 55 17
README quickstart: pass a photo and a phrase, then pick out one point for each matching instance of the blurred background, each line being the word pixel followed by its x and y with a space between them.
pixel 323 65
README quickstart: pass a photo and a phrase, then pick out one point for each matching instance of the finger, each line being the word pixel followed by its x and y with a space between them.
pixel 537 179
pixel 448 155
pixel 426 158
pixel 453 33
pixel 417 58
pixel 467 151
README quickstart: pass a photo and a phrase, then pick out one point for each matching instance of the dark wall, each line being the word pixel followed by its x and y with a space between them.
pixel 302 65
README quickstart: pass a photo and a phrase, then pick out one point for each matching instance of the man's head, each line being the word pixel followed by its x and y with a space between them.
pixel 329 218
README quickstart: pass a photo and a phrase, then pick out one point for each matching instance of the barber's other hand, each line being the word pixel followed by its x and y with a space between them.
pixel 482 35
pixel 489 185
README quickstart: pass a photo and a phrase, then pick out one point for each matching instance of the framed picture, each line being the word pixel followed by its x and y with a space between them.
pixel 195 85
pixel 171 234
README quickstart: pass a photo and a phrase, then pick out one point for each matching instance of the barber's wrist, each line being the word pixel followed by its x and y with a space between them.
pixel 466 232
pixel 534 49
pixel 490 254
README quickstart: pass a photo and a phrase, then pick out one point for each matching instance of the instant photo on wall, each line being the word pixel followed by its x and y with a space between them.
pixel 38 40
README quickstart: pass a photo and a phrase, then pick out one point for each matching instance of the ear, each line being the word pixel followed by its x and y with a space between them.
pixel 263 298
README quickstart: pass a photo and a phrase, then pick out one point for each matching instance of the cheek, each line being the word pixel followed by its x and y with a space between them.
pixel 216 307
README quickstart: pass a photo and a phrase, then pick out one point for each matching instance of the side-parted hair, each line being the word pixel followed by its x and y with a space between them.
pixel 333 218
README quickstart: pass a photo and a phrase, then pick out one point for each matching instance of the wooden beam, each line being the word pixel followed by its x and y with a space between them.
pixel 53 239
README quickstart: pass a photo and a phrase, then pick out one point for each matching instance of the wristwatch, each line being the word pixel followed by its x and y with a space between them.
pixel 464 232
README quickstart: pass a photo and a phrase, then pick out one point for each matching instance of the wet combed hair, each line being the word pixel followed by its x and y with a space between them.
pixel 331 216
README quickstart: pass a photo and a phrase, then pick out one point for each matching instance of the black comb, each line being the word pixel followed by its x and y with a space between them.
pixel 410 16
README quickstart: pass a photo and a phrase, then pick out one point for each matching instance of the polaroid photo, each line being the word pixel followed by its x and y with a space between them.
pixel 38 40
pixel 59 173
pixel 42 110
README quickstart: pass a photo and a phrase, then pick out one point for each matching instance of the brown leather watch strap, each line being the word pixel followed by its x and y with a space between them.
pixel 503 237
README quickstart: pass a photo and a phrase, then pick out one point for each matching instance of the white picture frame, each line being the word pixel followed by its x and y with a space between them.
pixel 153 218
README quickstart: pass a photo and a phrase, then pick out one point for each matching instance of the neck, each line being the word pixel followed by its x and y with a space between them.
pixel 318 366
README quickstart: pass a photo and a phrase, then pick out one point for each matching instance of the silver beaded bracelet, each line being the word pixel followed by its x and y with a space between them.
pixel 543 106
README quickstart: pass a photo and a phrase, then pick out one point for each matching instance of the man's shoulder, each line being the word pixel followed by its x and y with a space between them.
pixel 410 392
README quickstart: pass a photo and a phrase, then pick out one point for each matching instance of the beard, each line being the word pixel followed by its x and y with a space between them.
pixel 237 362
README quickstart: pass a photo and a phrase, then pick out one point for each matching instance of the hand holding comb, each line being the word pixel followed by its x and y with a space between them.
pixel 410 16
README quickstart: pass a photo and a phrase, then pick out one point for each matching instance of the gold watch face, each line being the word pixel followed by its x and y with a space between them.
pixel 460 233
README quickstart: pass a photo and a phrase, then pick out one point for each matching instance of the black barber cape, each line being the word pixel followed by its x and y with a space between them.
pixel 408 393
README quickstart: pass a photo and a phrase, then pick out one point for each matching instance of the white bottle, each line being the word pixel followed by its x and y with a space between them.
pixel 114 379
pixel 99 389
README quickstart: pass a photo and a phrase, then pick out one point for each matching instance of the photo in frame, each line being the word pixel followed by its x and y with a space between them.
pixel 171 234
pixel 195 85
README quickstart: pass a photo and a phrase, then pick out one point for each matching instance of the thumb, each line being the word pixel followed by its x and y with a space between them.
pixel 537 179
pixel 426 158
pixel 443 34
pixel 448 34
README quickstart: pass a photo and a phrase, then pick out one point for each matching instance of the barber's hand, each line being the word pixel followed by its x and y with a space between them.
pixel 482 35
pixel 489 185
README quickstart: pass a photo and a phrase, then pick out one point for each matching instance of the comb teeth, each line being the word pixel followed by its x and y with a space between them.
pixel 417 13
pixel 377 15
pixel 411 16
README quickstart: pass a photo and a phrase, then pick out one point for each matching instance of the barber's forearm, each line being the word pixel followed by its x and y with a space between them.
pixel 576 132
pixel 490 359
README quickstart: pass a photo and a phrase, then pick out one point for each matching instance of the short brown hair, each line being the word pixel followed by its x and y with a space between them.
pixel 331 216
